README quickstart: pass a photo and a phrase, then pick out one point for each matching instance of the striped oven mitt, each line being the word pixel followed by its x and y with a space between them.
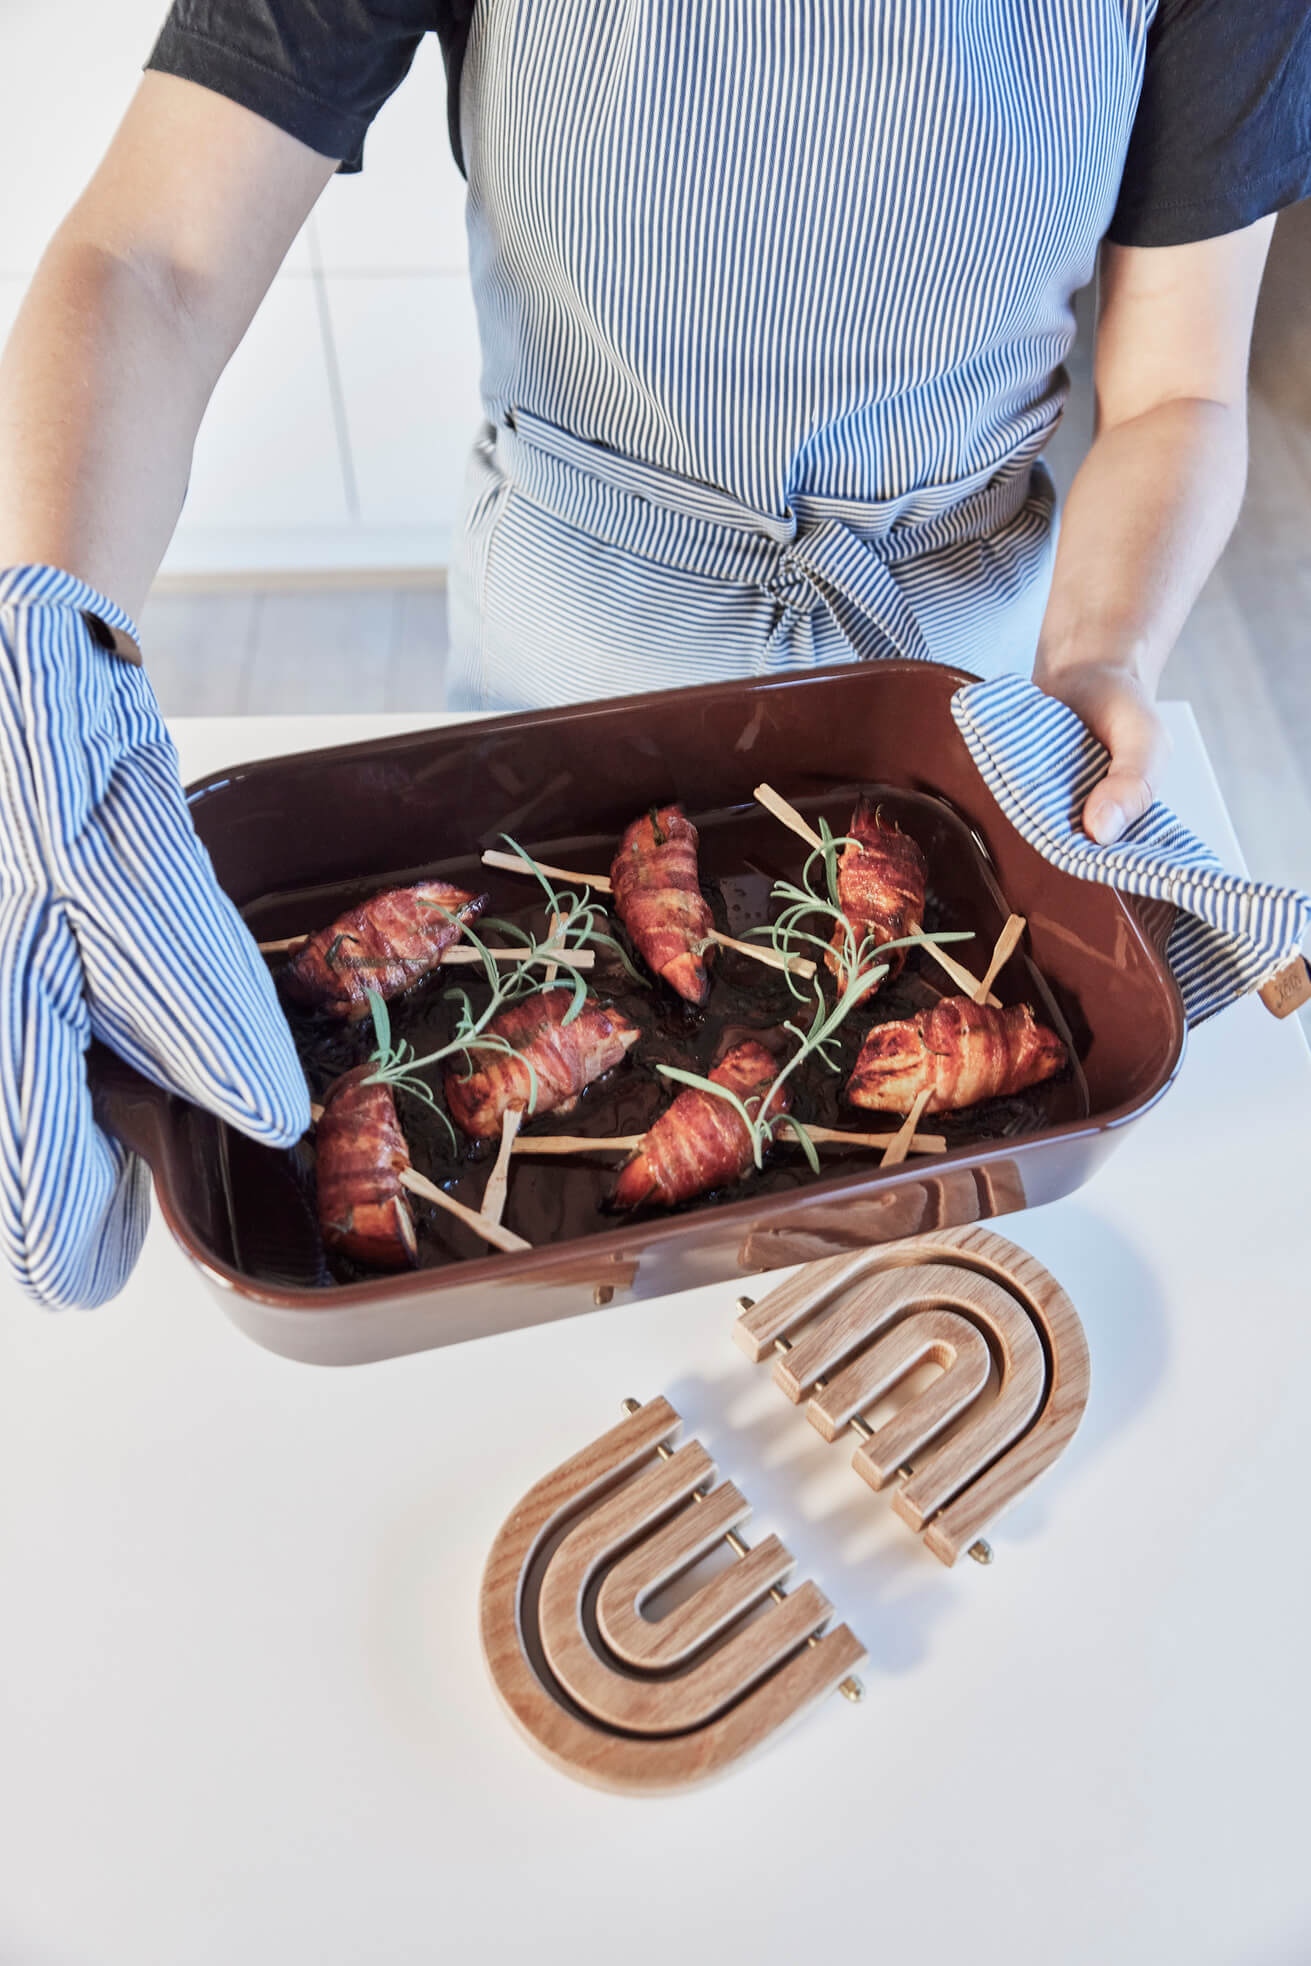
pixel 1040 762
pixel 111 924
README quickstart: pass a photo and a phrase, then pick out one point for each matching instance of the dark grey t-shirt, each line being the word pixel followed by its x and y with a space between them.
pixel 1222 136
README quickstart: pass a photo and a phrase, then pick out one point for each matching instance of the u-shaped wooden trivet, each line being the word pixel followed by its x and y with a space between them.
pixel 1012 1389
pixel 613 1697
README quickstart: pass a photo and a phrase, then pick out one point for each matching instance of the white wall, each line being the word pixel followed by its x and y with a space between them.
pixel 338 435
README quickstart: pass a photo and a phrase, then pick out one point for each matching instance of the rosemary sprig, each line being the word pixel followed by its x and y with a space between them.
pixel 578 921
pixel 581 917
pixel 862 967
pixel 396 1063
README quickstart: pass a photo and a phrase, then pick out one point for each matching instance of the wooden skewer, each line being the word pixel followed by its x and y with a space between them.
pixel 512 864
pixel 774 802
pixel 900 1147
pixel 493 1202
pixel 627 1143
pixel 457 953
pixel 833 1136
pixel 1001 955
pixel 965 979
pixel 492 1232
pixel 772 958
pixel 552 970
pixel 419 1184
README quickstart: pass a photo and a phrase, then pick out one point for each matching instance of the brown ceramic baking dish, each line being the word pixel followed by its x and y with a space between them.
pixel 294 839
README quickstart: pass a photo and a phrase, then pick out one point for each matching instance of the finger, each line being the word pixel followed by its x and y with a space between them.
pixel 74 1205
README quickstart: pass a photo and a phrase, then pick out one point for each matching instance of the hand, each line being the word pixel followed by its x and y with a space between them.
pixel 111 924
pixel 1117 707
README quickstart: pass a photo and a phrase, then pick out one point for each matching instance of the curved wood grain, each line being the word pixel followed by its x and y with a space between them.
pixel 981 1469
pixel 938 1337
pixel 570 1739
pixel 657 1645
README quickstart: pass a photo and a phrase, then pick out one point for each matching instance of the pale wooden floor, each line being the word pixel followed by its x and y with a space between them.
pixel 1243 661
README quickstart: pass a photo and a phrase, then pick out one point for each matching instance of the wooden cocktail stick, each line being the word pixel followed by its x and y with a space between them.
pixel 774 802
pixel 1005 948
pixel 419 1184
pixel 627 1143
pixel 492 1232
pixel 457 953
pixel 772 959
pixel 965 979
pixel 833 1136
pixel 514 863
pixel 493 1201
pixel 900 1147
pixel 552 970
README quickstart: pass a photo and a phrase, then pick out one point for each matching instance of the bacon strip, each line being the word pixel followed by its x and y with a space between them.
pixel 361 1153
pixel 659 901
pixel 880 887
pixel 962 1051
pixel 565 1058
pixel 699 1142
pixel 387 944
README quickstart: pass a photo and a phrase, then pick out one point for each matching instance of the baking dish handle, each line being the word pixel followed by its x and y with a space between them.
pixel 126 1103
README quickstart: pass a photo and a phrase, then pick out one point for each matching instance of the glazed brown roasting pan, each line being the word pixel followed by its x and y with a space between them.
pixel 294 839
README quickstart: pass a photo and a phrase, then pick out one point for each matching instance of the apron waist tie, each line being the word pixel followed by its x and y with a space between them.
pixel 826 554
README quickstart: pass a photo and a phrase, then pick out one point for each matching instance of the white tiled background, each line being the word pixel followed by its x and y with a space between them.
pixel 339 433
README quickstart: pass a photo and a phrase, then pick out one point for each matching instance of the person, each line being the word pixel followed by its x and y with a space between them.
pixel 773 300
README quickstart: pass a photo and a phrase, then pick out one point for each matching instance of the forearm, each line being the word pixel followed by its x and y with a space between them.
pixel 147 288
pixel 102 388
pixel 1145 522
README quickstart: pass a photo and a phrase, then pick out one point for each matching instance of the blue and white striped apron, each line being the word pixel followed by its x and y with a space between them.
pixel 773 297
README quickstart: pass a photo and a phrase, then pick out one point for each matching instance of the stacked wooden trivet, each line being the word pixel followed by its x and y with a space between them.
pixel 627 1702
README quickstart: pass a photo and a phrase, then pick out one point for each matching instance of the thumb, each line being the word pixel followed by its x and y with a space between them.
pixel 1123 716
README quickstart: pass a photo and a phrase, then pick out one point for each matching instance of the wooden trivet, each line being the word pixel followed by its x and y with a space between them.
pixel 1011 1391
pixel 617 1699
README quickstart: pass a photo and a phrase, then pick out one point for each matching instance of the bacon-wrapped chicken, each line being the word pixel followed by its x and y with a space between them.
pixel 387 944
pixel 564 1059
pixel 962 1051
pixel 880 887
pixel 659 901
pixel 361 1154
pixel 699 1142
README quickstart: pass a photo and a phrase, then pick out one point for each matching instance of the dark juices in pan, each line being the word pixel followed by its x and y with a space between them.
pixel 743 851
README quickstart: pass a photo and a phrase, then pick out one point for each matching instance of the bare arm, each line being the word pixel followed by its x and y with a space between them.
pixel 139 301
pixel 1156 497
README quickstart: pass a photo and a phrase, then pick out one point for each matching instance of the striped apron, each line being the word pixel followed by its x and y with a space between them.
pixel 773 298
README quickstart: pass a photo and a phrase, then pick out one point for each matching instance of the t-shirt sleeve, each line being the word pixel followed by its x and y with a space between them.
pixel 320 69
pixel 1222 136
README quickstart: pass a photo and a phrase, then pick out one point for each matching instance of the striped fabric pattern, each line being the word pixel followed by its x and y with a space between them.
pixel 1040 763
pixel 111 925
pixel 806 264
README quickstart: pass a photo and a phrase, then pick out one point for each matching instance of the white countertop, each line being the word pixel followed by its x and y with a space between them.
pixel 243 1715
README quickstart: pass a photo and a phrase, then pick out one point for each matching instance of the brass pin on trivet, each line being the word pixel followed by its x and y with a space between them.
pixel 851 1688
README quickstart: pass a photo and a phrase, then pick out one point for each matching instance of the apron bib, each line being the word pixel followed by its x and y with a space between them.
pixel 773 298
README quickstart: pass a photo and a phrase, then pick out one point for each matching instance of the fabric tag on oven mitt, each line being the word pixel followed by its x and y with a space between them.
pixel 1040 762
pixel 111 924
